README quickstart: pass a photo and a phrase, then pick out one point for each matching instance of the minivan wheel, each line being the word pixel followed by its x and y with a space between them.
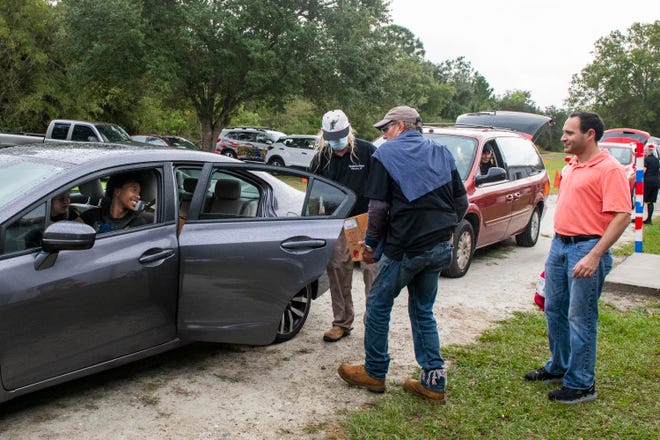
pixel 229 153
pixel 529 236
pixel 463 251
pixel 294 315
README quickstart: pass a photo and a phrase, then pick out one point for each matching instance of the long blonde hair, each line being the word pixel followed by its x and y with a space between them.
pixel 323 150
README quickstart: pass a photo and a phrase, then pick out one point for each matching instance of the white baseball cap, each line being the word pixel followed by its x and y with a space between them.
pixel 335 125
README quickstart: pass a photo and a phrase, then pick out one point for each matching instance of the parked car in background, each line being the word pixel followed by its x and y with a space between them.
pixel 231 252
pixel 246 143
pixel 507 202
pixel 165 140
pixel 625 154
pixel 626 136
pixel 295 150
pixel 67 130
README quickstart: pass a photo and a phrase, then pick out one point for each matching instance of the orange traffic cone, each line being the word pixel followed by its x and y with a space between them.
pixel 555 183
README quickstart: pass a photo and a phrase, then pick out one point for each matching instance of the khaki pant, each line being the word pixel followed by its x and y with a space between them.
pixel 340 274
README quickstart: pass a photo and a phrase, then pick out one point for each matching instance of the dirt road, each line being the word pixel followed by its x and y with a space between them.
pixel 286 391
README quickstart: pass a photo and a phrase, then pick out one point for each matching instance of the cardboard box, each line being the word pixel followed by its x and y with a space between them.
pixel 355 228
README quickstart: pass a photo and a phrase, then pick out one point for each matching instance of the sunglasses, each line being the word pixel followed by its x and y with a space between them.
pixel 385 127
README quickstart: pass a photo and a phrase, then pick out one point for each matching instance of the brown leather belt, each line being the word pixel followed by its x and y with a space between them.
pixel 566 239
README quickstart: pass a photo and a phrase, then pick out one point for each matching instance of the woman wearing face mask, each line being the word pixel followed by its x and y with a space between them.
pixel 341 157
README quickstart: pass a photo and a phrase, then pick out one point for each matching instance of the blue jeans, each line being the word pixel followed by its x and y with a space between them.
pixel 571 309
pixel 420 274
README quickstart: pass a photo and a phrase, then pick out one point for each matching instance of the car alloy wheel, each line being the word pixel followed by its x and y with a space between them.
pixel 294 315
pixel 463 251
pixel 529 236
pixel 229 153
pixel 276 162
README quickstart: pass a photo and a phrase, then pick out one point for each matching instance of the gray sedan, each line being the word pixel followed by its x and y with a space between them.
pixel 225 252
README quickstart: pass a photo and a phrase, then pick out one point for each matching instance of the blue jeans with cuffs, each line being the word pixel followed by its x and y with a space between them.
pixel 420 274
pixel 571 309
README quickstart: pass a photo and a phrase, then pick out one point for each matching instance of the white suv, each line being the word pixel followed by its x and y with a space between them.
pixel 292 151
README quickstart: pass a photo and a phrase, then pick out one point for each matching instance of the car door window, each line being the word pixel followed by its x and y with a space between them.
pixel 135 194
pixel 83 133
pixel 262 138
pixel 25 232
pixel 230 195
pixel 266 194
pixel 60 130
pixel 520 156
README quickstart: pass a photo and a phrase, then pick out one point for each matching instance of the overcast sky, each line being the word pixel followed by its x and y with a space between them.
pixel 520 44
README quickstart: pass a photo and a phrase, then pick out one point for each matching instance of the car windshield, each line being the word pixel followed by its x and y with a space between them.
pixel 461 147
pixel 623 155
pixel 113 133
pixel 18 177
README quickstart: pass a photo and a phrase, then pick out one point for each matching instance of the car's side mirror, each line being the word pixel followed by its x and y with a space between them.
pixel 63 236
pixel 495 174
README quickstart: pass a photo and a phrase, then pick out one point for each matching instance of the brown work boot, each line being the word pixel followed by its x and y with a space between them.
pixel 335 333
pixel 415 387
pixel 356 375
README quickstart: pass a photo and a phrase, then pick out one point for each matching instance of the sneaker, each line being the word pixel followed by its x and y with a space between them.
pixel 542 375
pixel 570 395
pixel 356 375
pixel 415 387
pixel 335 333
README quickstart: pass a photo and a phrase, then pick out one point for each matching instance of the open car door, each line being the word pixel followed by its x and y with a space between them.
pixel 254 237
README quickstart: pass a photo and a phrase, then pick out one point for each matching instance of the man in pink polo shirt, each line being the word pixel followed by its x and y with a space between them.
pixel 593 210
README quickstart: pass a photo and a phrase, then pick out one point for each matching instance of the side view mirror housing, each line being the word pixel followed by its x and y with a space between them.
pixel 495 174
pixel 63 236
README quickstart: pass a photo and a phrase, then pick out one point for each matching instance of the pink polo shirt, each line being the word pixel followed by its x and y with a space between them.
pixel 590 194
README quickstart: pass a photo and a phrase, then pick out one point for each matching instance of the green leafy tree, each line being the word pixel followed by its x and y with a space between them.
pixel 224 54
pixel 409 79
pixel 471 91
pixel 622 83
pixel 109 72
pixel 517 101
pixel 32 74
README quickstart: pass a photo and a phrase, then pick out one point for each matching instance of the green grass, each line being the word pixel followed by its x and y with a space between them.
pixel 554 162
pixel 650 241
pixel 488 398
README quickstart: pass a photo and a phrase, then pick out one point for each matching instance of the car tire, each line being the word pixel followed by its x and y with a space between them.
pixel 229 153
pixel 276 161
pixel 463 251
pixel 294 315
pixel 529 236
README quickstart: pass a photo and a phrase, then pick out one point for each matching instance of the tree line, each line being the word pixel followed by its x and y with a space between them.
pixel 192 67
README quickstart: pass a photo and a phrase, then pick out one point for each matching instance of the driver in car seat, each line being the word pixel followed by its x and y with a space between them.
pixel 487 161
pixel 121 207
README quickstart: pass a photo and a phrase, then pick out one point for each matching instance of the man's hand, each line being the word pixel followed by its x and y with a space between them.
pixel 586 267
pixel 367 253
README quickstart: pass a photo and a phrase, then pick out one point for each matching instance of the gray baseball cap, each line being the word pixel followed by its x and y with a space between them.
pixel 399 113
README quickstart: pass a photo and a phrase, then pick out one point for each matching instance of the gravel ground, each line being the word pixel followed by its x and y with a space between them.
pixel 285 391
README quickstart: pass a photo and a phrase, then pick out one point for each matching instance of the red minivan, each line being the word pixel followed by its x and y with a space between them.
pixel 509 200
